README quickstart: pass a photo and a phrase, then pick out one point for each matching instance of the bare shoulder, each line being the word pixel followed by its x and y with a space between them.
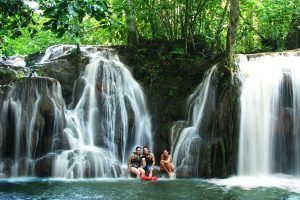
pixel 131 156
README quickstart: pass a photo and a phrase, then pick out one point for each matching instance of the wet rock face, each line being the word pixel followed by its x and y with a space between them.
pixel 167 99
pixel 167 105
pixel 225 128
pixel 66 70
pixel 284 142
pixel 44 126
pixel 29 122
pixel 202 146
pixel 213 154
pixel 293 40
pixel 43 166
pixel 7 165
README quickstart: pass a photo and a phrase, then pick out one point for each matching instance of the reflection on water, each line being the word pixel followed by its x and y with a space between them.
pixel 32 188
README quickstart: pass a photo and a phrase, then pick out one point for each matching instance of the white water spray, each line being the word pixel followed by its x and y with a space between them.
pixel 263 87
pixel 106 120
pixel 97 128
pixel 57 51
pixel 21 107
pixel 186 143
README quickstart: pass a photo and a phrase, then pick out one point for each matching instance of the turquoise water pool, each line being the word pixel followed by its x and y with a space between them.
pixel 35 188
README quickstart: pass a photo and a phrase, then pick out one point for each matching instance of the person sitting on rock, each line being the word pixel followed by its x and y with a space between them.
pixel 134 163
pixel 166 164
pixel 148 161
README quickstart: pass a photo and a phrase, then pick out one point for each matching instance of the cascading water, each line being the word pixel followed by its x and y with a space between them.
pixel 23 134
pixel 186 142
pixel 270 107
pixel 98 126
pixel 17 61
pixel 56 51
pixel 107 118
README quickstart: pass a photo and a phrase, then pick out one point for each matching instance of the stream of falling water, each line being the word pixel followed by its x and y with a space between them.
pixel 270 107
pixel 187 142
pixel 98 127
pixel 106 120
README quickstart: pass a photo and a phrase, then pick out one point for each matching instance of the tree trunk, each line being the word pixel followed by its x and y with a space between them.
pixel 176 22
pixel 232 32
pixel 187 23
pixel 181 18
pixel 220 28
pixel 152 20
pixel 132 33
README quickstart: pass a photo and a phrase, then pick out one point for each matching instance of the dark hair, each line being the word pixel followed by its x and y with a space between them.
pixel 138 147
pixel 166 150
pixel 145 147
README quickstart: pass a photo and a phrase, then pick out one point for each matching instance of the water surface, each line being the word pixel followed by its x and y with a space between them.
pixel 34 188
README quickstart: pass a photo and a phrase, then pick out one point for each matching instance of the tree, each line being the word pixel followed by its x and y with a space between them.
pixel 232 32
pixel 220 27
pixel 268 25
pixel 67 15
pixel 132 32
pixel 14 15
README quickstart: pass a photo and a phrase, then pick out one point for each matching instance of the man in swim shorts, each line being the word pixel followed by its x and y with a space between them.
pixel 134 163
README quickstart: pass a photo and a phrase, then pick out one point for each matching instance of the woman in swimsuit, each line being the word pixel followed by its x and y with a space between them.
pixel 166 164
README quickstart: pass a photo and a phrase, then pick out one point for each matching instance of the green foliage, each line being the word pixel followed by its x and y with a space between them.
pixel 26 44
pixel 222 147
pixel 15 15
pixel 9 75
pixel 19 77
pixel 150 73
pixel 177 51
pixel 172 92
pixel 5 72
pixel 95 28
pixel 67 15
pixel 263 25
pixel 113 32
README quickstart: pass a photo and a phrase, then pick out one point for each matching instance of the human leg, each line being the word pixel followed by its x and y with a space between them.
pixel 172 167
pixel 163 167
pixel 135 171
pixel 169 167
pixel 142 171
pixel 143 162
pixel 150 172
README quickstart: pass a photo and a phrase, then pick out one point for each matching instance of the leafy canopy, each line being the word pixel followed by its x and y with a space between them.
pixel 263 25
pixel 15 15
pixel 68 15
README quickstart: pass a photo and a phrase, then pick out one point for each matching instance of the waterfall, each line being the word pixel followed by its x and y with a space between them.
pixel 91 137
pixel 23 133
pixel 98 121
pixel 270 107
pixel 56 51
pixel 186 142
pixel 17 61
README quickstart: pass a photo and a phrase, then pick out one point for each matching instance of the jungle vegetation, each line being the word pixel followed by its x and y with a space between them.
pixel 202 26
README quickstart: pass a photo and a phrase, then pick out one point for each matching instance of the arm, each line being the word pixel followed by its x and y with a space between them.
pixel 153 160
pixel 162 158
pixel 169 159
pixel 165 161
pixel 129 161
